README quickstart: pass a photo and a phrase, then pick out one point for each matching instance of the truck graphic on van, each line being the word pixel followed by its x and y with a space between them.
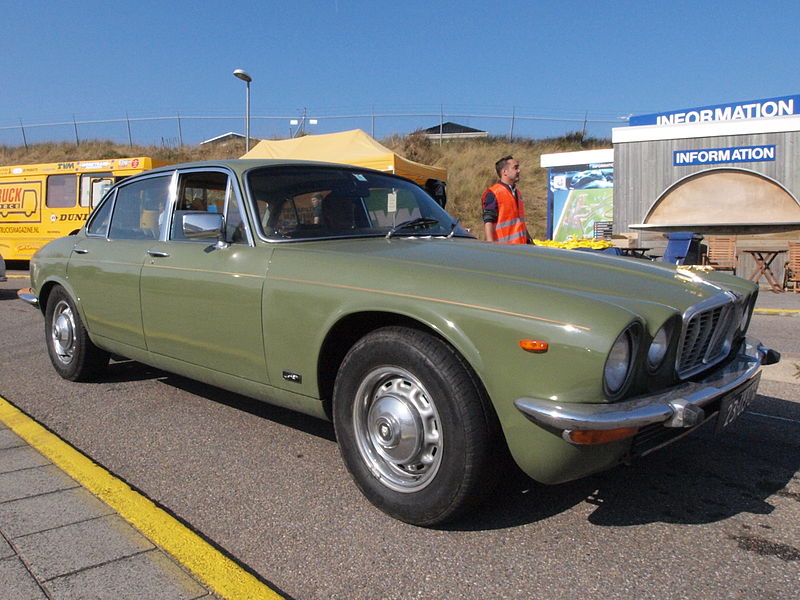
pixel 19 198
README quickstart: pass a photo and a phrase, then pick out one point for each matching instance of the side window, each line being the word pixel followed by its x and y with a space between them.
pixel 61 191
pixel 100 219
pixel 139 209
pixel 93 188
pixel 207 192
pixel 99 189
pixel 202 191
pixel 235 230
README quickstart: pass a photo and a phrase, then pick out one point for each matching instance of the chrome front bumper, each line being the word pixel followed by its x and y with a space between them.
pixel 27 295
pixel 680 406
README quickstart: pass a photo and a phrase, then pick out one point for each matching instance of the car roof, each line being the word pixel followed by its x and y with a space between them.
pixel 240 165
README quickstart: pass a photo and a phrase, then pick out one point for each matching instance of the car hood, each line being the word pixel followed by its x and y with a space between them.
pixel 628 282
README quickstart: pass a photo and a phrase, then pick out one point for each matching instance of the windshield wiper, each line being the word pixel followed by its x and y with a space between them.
pixel 453 226
pixel 418 223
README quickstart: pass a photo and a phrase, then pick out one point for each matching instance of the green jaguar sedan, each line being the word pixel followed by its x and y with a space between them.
pixel 349 294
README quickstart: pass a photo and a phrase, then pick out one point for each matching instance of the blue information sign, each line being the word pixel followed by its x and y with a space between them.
pixel 710 156
pixel 752 109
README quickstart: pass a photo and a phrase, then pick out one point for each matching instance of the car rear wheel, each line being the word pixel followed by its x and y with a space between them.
pixel 72 353
pixel 413 426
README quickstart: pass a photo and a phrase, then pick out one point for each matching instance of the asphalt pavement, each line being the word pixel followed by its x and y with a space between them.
pixel 61 537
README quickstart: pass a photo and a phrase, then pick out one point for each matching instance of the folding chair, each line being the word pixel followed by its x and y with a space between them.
pixel 791 270
pixel 721 254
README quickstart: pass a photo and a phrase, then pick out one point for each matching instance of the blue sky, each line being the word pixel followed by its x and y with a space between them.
pixel 84 61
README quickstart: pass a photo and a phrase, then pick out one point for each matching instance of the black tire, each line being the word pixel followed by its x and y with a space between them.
pixel 72 353
pixel 413 426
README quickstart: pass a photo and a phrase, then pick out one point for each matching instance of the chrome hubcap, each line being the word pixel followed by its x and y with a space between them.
pixel 62 332
pixel 397 429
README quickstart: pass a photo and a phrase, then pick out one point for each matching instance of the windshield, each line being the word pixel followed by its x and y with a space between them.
pixel 302 202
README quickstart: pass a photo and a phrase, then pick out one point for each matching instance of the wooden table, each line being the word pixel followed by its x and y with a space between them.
pixel 763 259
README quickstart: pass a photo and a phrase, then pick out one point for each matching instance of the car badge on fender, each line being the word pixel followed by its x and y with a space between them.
pixel 293 377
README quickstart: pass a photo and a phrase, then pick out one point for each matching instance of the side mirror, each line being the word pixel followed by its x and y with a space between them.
pixel 198 225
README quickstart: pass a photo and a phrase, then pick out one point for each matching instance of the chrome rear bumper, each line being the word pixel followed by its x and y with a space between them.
pixel 680 406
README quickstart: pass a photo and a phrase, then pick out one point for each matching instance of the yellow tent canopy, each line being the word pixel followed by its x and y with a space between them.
pixel 347 147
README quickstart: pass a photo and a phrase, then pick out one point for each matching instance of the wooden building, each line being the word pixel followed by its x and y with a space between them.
pixel 732 176
pixel 738 177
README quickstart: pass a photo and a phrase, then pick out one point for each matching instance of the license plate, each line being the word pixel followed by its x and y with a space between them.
pixel 734 404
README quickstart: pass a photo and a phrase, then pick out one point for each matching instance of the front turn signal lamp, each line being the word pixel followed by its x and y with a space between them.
pixel 534 346
pixel 593 437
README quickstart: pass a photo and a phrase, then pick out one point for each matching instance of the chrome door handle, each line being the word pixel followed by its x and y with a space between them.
pixel 80 251
pixel 157 253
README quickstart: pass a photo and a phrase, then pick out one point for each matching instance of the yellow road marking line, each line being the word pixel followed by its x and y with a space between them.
pixel 776 311
pixel 223 575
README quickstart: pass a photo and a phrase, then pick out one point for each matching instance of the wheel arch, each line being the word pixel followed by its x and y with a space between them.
pixel 47 289
pixel 349 329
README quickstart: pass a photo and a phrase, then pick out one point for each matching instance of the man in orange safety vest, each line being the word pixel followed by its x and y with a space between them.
pixel 503 211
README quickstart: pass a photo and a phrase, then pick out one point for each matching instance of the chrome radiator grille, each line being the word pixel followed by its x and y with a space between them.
pixel 708 330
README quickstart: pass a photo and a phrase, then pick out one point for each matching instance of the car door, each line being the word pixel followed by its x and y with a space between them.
pixel 106 264
pixel 201 300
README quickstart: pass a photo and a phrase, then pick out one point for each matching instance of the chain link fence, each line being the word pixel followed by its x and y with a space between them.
pixel 181 129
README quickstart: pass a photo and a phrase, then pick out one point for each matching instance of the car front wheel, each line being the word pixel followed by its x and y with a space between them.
pixel 72 353
pixel 413 426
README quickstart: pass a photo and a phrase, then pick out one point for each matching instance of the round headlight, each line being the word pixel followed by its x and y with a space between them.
pixel 618 363
pixel 658 349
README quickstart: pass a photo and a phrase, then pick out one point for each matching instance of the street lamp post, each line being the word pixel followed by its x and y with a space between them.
pixel 242 74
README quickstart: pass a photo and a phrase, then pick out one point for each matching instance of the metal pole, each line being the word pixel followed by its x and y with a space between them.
pixel 180 131
pixel 75 125
pixel 247 118
pixel 585 119
pixel 24 138
pixel 242 74
pixel 130 138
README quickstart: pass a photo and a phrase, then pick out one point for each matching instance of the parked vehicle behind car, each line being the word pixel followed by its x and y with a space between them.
pixel 349 294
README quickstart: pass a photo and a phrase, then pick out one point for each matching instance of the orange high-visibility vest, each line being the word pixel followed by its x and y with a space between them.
pixel 510 227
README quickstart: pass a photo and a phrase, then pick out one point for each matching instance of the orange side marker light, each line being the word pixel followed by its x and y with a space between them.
pixel 594 437
pixel 534 346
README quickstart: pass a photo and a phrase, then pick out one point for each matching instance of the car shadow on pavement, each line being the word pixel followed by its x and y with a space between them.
pixel 703 478
pixel 131 370
pixel 125 370
pixel 282 416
